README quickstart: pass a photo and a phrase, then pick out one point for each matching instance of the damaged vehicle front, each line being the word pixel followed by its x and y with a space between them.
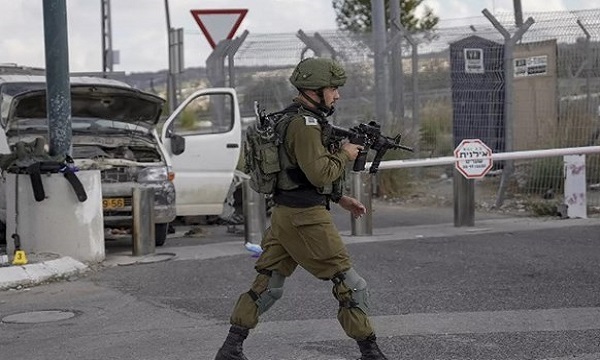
pixel 114 131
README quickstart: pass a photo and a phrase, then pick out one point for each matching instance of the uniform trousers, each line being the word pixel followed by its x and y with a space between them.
pixel 309 238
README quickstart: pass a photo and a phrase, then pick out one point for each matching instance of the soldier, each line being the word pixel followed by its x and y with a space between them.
pixel 302 231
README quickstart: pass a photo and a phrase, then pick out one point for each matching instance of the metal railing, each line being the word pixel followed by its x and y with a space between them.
pixel 361 190
pixel 255 217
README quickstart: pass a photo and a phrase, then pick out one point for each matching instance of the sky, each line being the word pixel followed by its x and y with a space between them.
pixel 139 26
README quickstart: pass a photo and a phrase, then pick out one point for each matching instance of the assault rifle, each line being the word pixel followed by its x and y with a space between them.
pixel 370 137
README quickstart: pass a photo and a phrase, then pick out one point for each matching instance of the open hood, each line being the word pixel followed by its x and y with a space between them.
pixel 93 101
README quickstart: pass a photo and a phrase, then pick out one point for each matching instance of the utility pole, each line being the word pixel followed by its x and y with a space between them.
pixel 58 86
pixel 107 51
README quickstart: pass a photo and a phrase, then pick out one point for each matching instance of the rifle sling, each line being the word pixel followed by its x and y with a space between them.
pixel 75 184
pixel 36 170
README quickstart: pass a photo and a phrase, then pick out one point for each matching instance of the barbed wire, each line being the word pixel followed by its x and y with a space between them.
pixel 287 48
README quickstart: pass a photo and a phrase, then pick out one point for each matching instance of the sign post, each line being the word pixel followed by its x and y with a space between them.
pixel 473 161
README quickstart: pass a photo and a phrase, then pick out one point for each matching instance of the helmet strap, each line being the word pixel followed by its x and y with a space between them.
pixel 327 111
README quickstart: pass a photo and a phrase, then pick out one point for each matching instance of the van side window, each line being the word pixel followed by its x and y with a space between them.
pixel 206 114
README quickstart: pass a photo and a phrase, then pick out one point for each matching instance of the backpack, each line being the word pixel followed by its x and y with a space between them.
pixel 261 151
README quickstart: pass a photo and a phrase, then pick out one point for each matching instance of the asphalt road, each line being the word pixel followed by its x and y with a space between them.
pixel 483 295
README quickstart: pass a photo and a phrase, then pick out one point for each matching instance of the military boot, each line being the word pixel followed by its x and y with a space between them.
pixel 232 347
pixel 369 349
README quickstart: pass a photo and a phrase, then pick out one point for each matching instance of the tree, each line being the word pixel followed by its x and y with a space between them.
pixel 355 15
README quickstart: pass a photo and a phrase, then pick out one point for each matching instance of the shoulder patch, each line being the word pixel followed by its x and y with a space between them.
pixel 309 120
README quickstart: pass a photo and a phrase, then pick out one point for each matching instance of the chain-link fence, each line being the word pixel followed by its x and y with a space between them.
pixel 469 81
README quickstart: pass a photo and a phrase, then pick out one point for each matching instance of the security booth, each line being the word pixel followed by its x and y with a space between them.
pixel 477 75
pixel 478 93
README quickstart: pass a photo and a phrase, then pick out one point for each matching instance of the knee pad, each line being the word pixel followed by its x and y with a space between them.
pixel 350 289
pixel 272 293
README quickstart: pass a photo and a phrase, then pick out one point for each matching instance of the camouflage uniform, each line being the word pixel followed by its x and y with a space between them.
pixel 302 231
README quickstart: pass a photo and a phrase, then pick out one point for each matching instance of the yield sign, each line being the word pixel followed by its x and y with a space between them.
pixel 219 24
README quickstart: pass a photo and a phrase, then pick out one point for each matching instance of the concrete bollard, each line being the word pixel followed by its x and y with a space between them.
pixel 361 190
pixel 143 221
pixel 76 230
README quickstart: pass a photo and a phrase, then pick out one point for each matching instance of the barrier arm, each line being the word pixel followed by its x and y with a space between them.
pixel 363 225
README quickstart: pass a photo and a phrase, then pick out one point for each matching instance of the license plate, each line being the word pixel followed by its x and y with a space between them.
pixel 113 203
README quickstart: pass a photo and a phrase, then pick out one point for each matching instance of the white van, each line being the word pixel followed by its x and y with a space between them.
pixel 189 163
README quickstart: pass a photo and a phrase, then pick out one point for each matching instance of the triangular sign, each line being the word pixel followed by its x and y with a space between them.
pixel 219 24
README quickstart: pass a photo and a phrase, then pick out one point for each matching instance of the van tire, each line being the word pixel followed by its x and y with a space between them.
pixel 160 233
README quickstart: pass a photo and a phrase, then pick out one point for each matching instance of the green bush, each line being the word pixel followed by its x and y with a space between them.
pixel 546 174
pixel 436 128
pixel 544 208
pixel 592 169
pixel 395 183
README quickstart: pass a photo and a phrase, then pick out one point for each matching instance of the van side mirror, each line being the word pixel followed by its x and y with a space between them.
pixel 177 144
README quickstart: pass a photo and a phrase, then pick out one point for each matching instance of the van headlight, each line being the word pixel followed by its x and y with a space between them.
pixel 153 174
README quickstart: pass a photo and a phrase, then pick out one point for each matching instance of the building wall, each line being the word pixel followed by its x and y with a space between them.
pixel 535 95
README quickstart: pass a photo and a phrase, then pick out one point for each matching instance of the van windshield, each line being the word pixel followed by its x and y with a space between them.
pixel 8 92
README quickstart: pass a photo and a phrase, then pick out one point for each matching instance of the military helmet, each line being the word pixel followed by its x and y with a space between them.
pixel 317 73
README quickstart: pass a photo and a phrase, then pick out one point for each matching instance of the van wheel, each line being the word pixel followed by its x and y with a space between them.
pixel 160 233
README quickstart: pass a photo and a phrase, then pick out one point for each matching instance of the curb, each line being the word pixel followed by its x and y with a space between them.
pixel 32 274
pixel 36 273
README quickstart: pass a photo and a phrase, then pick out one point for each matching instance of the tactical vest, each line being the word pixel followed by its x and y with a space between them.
pixel 269 165
pixel 292 177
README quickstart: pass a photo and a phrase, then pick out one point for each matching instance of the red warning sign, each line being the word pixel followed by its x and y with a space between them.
pixel 219 24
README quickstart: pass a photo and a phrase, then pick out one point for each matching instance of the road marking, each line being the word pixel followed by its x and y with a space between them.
pixel 484 322
pixel 576 357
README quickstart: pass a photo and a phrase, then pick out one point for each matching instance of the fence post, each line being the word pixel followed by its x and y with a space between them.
pixel 361 190
pixel 589 65
pixel 416 120
pixel 255 217
pixel 379 30
pixel 215 63
pixel 397 72
pixel 509 45
pixel 144 242
pixel 233 48
pixel 317 44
